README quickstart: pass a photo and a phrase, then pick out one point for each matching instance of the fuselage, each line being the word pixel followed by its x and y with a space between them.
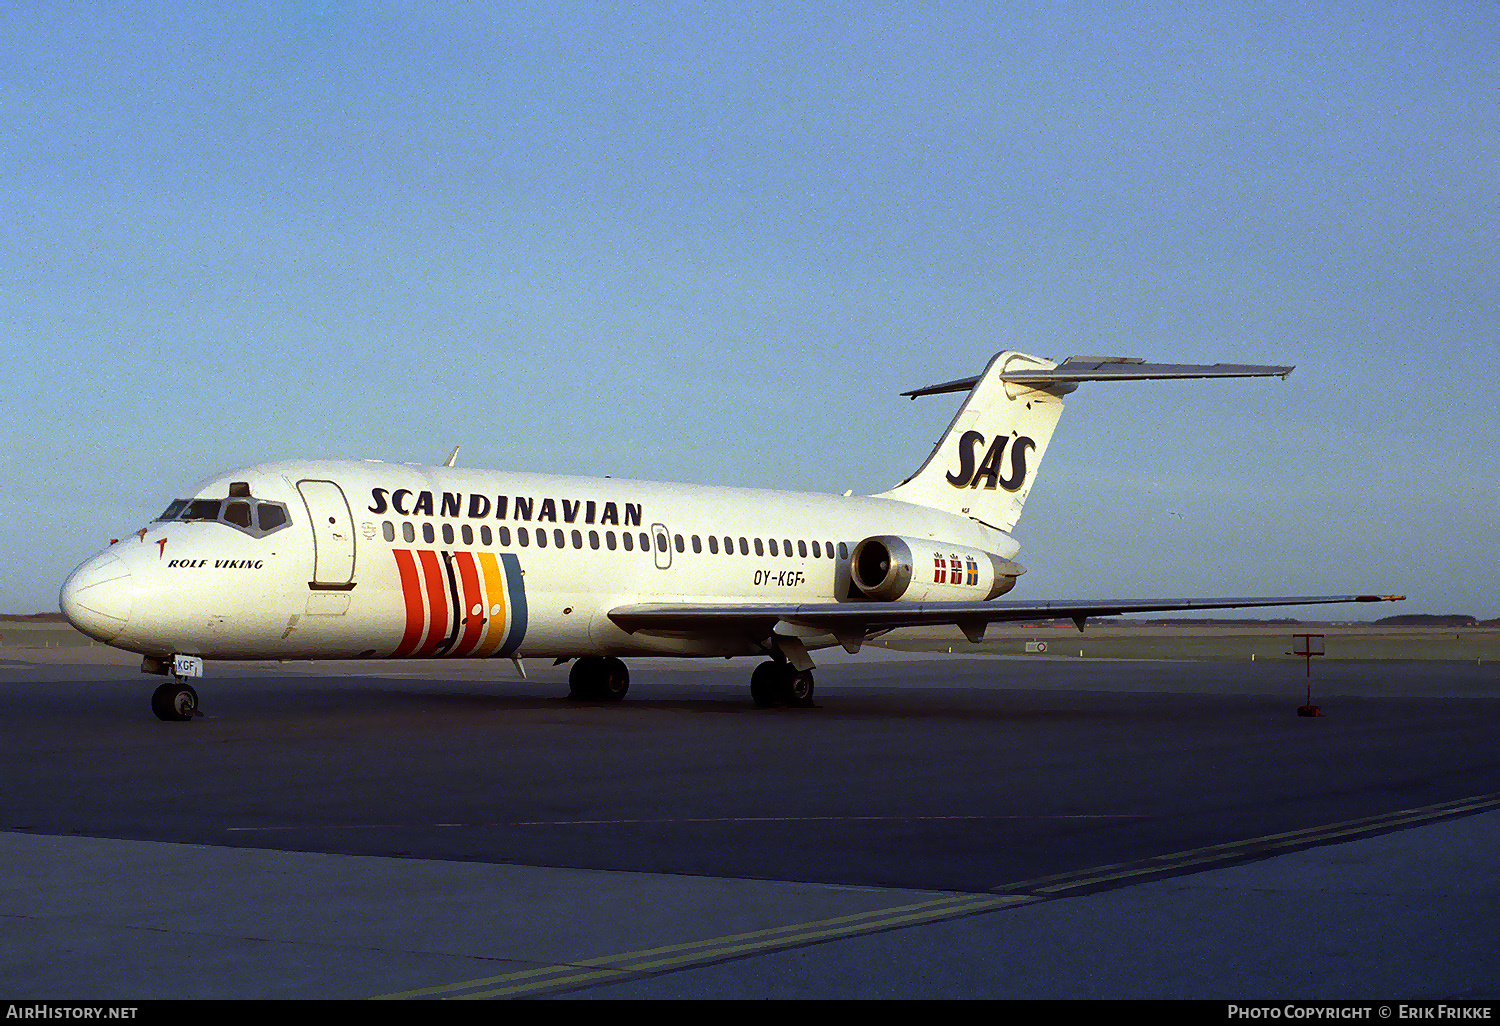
pixel 348 559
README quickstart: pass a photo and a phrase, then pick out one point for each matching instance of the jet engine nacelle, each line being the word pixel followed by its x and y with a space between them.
pixel 895 569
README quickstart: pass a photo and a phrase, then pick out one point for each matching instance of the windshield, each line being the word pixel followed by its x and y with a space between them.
pixel 178 505
pixel 201 509
pixel 255 517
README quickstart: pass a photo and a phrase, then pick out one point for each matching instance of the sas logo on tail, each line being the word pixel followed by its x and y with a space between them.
pixel 989 471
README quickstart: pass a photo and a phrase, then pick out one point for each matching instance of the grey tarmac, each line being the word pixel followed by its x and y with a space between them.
pixel 936 827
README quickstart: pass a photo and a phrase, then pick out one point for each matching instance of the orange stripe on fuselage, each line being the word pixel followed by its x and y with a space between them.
pixel 496 615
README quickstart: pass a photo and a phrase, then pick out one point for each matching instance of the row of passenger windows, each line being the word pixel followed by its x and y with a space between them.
pixel 627 540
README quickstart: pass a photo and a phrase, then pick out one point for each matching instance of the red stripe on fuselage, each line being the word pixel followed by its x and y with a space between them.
pixel 468 576
pixel 437 600
pixel 411 591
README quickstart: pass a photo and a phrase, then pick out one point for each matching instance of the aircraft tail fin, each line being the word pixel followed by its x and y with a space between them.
pixel 985 464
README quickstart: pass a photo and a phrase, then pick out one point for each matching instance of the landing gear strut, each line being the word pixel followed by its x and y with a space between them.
pixel 774 683
pixel 598 679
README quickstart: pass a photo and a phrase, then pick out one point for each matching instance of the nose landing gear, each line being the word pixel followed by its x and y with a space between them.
pixel 176 699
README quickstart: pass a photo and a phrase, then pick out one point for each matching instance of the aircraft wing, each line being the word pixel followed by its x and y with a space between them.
pixel 848 621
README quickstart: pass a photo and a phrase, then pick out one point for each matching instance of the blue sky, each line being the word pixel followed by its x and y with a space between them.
pixel 714 245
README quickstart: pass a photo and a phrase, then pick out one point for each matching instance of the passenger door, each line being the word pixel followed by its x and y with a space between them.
pixel 333 535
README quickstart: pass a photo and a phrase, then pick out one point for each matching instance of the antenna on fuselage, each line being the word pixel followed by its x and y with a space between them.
pixel 452 457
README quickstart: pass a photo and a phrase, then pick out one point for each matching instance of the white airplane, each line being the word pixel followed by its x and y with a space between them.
pixel 320 559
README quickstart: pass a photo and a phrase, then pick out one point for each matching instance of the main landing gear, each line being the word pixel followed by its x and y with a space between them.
pixel 598 679
pixel 777 683
pixel 605 679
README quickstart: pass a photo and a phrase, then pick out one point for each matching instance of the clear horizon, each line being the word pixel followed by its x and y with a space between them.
pixel 714 245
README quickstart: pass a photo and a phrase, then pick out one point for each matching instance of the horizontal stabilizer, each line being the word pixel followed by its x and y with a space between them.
pixel 1077 369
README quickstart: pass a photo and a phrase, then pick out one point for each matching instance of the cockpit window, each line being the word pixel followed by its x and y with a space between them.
pixel 178 505
pixel 202 509
pixel 255 517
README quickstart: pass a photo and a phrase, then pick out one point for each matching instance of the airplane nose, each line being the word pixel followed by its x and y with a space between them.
pixel 96 598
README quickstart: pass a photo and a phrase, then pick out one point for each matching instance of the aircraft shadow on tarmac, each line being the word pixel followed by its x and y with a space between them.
pixel 374 696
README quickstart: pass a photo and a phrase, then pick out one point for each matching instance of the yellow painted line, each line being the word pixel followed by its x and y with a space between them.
pixel 1052 885
pixel 718 948
pixel 714 949
pixel 1367 823
pixel 982 904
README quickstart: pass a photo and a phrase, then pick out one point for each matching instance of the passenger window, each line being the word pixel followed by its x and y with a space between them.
pixel 523 536
pixel 578 539
pixel 697 544
pixel 388 531
pixel 773 546
pixel 786 547
pixel 505 536
pixel 801 548
pixel 843 551
pixel 817 550
pixel 646 543
pixel 713 544
pixel 629 540
pixel 541 537
pixel 408 532
pixel 557 538
pixel 447 534
pixel 609 540
pixel 593 539
pixel 485 538
pixel 467 534
pixel 677 542
pixel 238 514
pixel 760 549
pixel 271 516
pixel 427 533
pixel 744 547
